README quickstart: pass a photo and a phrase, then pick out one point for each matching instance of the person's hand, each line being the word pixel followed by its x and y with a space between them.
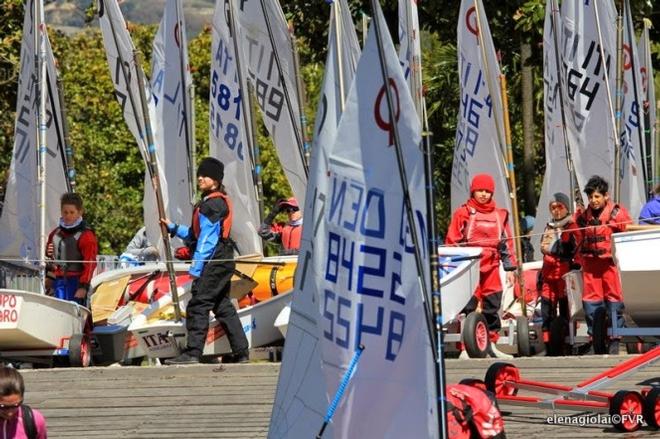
pixel 81 293
pixel 510 278
pixel 50 250
pixel 166 222
pixel 48 286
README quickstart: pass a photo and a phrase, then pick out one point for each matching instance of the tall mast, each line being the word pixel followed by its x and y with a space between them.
pixel 40 63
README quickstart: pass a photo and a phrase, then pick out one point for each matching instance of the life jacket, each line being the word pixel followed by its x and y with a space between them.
pixel 472 413
pixel 66 249
pixel 554 266
pixel 485 230
pixel 596 234
pixel 225 227
pixel 291 236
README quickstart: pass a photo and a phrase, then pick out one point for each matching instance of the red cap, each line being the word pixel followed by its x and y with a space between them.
pixel 482 182
pixel 289 202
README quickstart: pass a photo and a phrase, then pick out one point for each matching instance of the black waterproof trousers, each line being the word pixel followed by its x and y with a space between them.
pixel 211 293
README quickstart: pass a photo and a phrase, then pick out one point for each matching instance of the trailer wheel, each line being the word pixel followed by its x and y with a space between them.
pixel 80 351
pixel 474 382
pixel 628 407
pixel 599 329
pixel 522 331
pixel 496 377
pixel 652 408
pixel 558 334
pixel 475 335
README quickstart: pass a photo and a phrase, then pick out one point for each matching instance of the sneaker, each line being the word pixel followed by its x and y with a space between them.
pixel 586 349
pixel 242 356
pixel 184 358
pixel 614 347
pixel 496 353
pixel 464 356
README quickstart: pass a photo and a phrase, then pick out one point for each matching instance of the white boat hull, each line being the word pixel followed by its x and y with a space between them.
pixel 458 285
pixel 636 255
pixel 32 322
pixel 162 338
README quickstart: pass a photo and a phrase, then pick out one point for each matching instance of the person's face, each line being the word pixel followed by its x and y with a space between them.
pixel 482 196
pixel 294 214
pixel 206 183
pixel 9 405
pixel 558 210
pixel 597 200
pixel 70 213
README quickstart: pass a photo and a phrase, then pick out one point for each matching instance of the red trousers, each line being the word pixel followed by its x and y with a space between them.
pixel 601 280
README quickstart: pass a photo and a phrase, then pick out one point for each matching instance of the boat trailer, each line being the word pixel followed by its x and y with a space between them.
pixel 628 409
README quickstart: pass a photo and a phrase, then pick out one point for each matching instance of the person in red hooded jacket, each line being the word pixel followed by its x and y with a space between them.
pixel 480 223
pixel 592 233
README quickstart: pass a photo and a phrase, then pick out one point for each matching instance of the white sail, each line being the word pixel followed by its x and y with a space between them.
pixel 275 90
pixel 170 85
pixel 228 131
pixel 300 404
pixel 20 213
pixel 410 50
pixel 120 51
pixel 648 102
pixel 557 177
pixel 587 108
pixel 631 134
pixel 365 283
pixel 479 144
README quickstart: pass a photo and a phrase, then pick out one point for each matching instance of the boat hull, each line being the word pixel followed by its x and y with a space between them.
pixel 35 322
pixel 636 255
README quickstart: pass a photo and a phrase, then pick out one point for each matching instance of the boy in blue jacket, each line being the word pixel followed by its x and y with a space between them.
pixel 212 266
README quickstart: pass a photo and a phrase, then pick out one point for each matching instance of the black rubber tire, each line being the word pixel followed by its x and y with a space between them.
pixel 475 329
pixel 522 331
pixel 652 408
pixel 616 403
pixel 599 332
pixel 558 333
pixel 80 351
pixel 494 377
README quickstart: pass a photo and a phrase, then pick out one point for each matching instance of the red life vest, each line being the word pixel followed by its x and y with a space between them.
pixel 485 230
pixel 596 234
pixel 225 227
pixel 554 267
pixel 291 236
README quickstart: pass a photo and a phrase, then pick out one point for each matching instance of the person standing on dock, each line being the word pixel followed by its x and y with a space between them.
pixel 212 267
pixel 592 232
pixel 480 223
pixel 557 261
pixel 72 247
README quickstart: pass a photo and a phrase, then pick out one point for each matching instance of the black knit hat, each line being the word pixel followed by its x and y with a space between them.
pixel 560 197
pixel 212 168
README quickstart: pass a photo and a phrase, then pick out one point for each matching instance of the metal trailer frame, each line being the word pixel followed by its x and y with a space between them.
pixel 504 380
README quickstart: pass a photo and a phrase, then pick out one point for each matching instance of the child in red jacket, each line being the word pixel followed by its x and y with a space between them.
pixel 557 261
pixel 593 231
pixel 480 223
pixel 74 248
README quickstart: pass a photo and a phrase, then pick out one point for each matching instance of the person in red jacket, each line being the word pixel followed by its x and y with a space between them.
pixel 592 232
pixel 287 234
pixel 557 261
pixel 480 223
pixel 73 247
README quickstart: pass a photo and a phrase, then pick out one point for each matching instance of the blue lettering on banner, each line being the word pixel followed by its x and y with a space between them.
pixel 362 275
pixel 225 109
